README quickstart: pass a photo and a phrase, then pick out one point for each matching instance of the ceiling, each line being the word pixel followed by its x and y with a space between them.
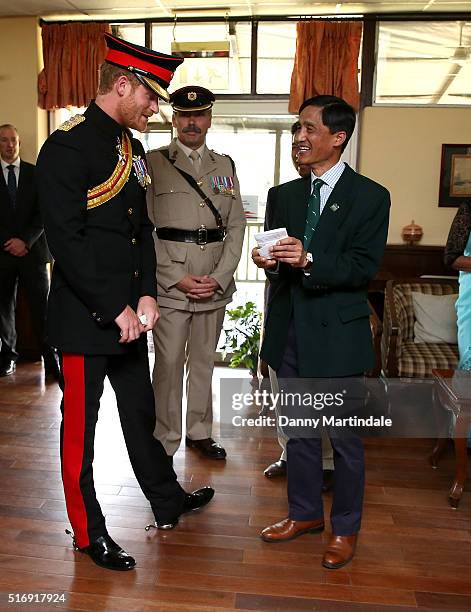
pixel 130 9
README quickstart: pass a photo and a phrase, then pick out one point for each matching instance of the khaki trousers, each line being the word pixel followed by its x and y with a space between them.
pixel 185 343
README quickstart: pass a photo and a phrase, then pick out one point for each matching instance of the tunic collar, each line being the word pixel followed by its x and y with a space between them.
pixel 104 122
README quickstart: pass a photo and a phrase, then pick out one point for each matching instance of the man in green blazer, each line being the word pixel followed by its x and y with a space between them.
pixel 317 323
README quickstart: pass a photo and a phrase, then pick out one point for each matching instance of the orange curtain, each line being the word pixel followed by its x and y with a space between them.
pixel 326 62
pixel 72 55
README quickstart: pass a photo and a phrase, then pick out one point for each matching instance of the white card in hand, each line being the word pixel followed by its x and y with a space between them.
pixel 143 319
pixel 267 239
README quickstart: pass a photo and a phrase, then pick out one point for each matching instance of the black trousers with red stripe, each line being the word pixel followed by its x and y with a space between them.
pixel 82 386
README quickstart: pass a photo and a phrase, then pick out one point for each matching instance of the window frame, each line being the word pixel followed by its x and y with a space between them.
pixel 368 50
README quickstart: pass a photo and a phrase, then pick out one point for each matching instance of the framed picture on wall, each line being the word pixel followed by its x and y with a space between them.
pixel 455 175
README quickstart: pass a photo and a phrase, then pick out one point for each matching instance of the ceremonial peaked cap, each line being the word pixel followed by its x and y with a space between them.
pixel 154 69
pixel 192 98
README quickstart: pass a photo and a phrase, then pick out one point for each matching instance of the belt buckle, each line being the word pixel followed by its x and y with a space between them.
pixel 202 235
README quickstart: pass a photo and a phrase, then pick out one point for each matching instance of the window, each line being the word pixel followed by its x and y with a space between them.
pixel 425 62
pixel 275 56
pixel 132 32
pixel 219 74
pixel 249 138
pixel 58 116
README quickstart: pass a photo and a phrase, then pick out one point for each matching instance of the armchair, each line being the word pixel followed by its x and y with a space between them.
pixel 400 355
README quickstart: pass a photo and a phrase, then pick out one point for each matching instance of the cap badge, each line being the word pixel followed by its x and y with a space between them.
pixel 192 96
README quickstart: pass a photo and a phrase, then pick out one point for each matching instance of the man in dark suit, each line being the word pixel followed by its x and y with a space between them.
pixel 278 468
pixel 24 253
pixel 317 322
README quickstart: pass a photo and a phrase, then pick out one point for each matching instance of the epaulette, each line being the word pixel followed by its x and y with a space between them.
pixel 71 123
pixel 217 153
pixel 225 155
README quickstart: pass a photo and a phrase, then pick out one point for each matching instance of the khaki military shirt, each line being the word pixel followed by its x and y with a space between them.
pixel 173 203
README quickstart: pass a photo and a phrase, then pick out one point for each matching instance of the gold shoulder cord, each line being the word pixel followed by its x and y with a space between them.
pixel 111 187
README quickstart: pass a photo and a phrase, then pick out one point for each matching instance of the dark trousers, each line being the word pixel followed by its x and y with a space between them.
pixel 82 385
pixel 33 277
pixel 304 462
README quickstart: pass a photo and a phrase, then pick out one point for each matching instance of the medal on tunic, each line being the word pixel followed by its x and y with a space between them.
pixel 140 170
pixel 122 154
pixel 222 184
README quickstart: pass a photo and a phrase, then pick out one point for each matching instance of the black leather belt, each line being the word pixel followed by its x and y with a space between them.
pixel 199 236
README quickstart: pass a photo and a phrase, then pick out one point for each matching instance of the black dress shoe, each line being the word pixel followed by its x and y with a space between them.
pixel 192 501
pixel 197 499
pixel 207 447
pixel 51 365
pixel 278 468
pixel 327 480
pixel 52 374
pixel 8 368
pixel 106 553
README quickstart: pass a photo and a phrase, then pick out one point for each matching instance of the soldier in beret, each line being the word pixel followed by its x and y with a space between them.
pixel 92 178
pixel 195 204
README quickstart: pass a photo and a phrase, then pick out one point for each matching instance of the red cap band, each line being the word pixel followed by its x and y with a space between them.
pixel 125 60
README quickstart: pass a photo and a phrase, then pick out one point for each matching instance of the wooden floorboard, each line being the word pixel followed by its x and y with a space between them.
pixel 414 552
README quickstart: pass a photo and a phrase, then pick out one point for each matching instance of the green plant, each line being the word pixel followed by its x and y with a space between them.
pixel 243 337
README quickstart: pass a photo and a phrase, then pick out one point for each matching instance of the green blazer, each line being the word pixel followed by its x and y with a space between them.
pixel 329 308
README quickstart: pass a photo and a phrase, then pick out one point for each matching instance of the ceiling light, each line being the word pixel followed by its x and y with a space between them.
pixel 461 53
pixel 213 48
pixel 461 56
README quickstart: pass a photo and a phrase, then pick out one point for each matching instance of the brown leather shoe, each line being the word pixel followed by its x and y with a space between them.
pixel 339 551
pixel 288 529
pixel 207 447
pixel 278 468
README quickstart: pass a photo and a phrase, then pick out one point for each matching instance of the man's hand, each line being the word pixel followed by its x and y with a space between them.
pixel 16 247
pixel 148 306
pixel 291 251
pixel 197 287
pixel 262 262
pixel 129 325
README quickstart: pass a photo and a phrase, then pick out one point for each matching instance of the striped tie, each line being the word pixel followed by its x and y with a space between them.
pixel 313 211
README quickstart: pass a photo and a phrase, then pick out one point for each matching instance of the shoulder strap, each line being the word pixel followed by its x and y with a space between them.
pixel 228 157
pixel 196 187
pixel 232 163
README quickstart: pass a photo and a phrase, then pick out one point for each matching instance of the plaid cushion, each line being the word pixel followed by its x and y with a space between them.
pixel 418 360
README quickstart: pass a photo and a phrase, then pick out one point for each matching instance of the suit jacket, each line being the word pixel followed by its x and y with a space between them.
pixel 104 256
pixel 24 219
pixel 173 203
pixel 329 307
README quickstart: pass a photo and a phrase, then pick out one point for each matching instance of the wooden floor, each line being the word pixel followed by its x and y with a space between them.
pixel 414 552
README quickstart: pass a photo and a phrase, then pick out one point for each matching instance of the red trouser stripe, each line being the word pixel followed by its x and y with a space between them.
pixel 73 444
